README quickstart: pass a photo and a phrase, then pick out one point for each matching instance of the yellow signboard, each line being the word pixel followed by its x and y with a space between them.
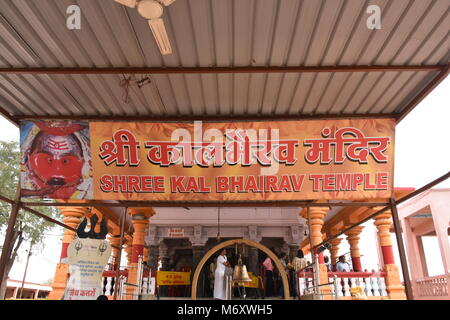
pixel 172 278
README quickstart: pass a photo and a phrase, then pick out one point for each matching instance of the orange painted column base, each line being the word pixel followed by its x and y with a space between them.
pixel 140 222
pixel 59 282
pixel 132 278
pixel 395 289
pixel 323 278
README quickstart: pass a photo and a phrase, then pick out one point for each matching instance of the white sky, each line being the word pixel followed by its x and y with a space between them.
pixel 422 154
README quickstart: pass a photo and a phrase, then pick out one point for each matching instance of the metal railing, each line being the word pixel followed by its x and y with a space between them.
pixel 373 283
pixel 436 287
pixel 142 288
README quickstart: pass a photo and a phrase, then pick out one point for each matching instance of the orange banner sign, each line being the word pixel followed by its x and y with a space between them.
pixel 228 161
pixel 290 160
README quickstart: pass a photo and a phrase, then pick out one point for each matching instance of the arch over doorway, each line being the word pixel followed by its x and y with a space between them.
pixel 240 241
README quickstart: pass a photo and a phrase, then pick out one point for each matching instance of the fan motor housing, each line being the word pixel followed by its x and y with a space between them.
pixel 150 9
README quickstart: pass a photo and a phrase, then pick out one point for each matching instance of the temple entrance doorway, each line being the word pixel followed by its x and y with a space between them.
pixel 231 244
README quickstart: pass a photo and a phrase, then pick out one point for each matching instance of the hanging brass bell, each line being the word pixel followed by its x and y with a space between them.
pixel 240 273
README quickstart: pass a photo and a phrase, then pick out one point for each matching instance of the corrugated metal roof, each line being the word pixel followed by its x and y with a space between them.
pixel 221 33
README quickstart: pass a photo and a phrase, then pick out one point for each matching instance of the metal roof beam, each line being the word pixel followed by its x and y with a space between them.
pixel 215 70
pixel 210 118
pixel 419 97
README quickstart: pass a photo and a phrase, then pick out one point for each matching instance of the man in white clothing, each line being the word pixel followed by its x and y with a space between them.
pixel 219 276
pixel 342 265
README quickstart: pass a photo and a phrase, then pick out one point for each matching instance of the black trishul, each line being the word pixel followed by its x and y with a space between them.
pixel 91 233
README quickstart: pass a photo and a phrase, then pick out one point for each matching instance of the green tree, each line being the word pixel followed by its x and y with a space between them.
pixel 29 227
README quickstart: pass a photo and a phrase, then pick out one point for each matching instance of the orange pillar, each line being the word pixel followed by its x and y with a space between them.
pixel 72 218
pixel 394 287
pixel 128 251
pixel 114 240
pixel 140 222
pixel 353 240
pixel 317 215
pixel 334 250
pixel 145 254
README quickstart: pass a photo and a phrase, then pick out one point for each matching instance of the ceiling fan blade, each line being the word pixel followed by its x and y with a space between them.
pixel 166 2
pixel 128 3
pixel 160 34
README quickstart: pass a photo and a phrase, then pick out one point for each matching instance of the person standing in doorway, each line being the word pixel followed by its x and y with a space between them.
pixel 219 276
pixel 299 262
pixel 280 284
pixel 268 267
pixel 211 273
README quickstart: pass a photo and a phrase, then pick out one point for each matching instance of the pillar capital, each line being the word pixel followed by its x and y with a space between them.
pixel 334 250
pixel 316 216
pixel 387 214
pixel 198 238
pixel 383 223
pixel 68 210
pixel 72 218
pixel 354 232
pixel 353 240
pixel 74 210
pixel 141 213
pixel 317 212
pixel 254 234
pixel 335 242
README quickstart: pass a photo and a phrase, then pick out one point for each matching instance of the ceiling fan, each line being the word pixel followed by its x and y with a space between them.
pixel 152 10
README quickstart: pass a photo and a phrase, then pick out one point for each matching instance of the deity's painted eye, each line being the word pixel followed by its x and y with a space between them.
pixel 42 160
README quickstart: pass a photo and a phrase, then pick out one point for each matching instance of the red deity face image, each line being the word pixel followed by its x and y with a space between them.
pixel 55 162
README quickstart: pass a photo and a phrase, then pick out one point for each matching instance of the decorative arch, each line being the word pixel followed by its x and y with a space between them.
pixel 240 241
